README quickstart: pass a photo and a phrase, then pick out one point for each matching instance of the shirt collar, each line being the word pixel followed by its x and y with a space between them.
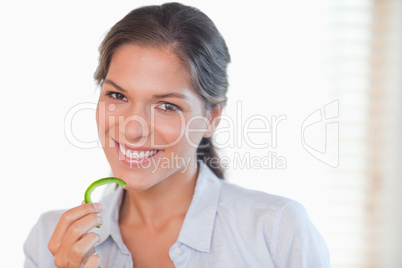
pixel 110 217
pixel 197 228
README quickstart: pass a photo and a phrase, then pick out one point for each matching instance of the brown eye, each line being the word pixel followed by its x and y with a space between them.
pixel 116 95
pixel 169 107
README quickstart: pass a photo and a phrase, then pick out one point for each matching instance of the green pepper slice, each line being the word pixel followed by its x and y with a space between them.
pixel 100 182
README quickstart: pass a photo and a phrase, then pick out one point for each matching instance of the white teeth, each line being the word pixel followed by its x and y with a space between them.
pixel 122 149
pixel 136 154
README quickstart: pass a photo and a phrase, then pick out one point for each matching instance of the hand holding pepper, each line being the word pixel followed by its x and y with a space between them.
pixel 71 242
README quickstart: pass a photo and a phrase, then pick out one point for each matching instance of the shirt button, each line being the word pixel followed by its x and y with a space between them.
pixel 178 251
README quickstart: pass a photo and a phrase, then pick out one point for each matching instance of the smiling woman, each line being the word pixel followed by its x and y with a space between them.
pixel 162 72
pixel 136 75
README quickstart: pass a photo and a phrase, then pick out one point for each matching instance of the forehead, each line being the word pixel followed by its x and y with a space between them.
pixel 148 66
pixel 150 69
pixel 151 59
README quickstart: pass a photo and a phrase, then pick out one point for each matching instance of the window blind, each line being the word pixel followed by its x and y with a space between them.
pixel 364 39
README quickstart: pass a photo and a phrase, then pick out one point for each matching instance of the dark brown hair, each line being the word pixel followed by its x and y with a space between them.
pixel 194 38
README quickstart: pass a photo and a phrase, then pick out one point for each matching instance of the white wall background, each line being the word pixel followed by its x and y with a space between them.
pixel 48 52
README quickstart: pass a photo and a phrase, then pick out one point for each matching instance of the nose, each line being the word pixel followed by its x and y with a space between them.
pixel 135 128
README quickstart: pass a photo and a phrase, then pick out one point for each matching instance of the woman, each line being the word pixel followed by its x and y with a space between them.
pixel 162 72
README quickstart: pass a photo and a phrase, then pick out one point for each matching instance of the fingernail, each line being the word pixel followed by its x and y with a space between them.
pixel 98 207
pixel 100 220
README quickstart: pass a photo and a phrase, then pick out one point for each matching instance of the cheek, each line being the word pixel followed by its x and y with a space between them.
pixel 168 131
pixel 105 121
pixel 195 130
pixel 100 122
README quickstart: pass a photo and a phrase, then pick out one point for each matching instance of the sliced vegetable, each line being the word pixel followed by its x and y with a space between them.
pixel 95 184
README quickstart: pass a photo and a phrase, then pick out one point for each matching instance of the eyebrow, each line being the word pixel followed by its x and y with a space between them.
pixel 107 81
pixel 156 96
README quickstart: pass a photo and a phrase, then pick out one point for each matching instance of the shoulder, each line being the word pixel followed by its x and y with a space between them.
pixel 266 213
pixel 234 196
pixel 283 223
pixel 274 211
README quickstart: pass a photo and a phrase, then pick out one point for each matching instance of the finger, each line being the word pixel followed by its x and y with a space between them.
pixel 75 232
pixel 66 220
pixel 80 249
pixel 93 262
pixel 89 253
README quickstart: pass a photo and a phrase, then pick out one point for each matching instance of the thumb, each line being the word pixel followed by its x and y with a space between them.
pixel 93 261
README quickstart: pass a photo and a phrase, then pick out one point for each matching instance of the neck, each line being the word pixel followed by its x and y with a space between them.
pixel 158 205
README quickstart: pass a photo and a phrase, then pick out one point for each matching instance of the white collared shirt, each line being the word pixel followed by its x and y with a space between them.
pixel 225 226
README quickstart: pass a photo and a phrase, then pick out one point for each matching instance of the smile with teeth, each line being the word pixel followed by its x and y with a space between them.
pixel 136 154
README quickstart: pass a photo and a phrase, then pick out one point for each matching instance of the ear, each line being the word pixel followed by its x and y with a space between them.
pixel 214 117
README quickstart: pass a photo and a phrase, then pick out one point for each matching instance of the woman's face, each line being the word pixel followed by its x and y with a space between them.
pixel 150 121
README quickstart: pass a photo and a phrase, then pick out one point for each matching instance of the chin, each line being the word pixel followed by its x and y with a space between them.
pixel 136 181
